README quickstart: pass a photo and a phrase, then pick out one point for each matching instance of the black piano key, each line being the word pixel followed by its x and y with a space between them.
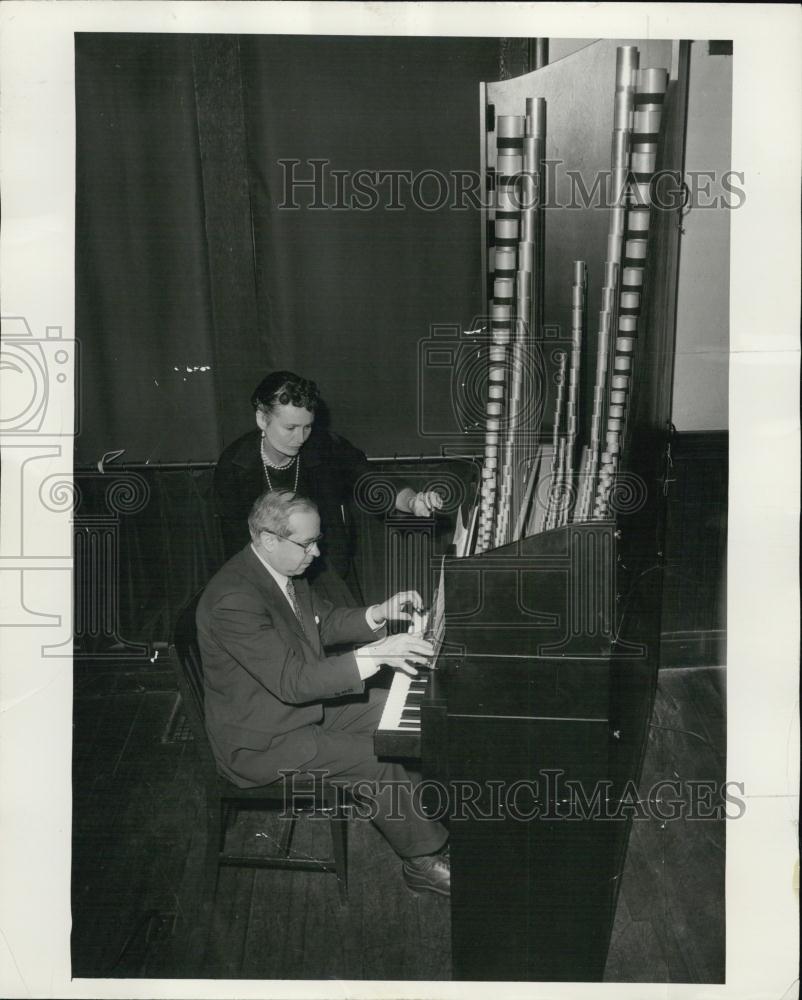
pixel 408 725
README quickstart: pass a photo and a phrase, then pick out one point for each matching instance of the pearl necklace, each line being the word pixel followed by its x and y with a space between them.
pixel 280 468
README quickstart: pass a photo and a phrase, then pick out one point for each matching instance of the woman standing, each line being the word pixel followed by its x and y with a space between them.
pixel 286 451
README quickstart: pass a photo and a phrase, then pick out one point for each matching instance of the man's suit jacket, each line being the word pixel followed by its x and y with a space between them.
pixel 265 678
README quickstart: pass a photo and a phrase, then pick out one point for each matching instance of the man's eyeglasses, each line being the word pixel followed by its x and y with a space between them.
pixel 306 546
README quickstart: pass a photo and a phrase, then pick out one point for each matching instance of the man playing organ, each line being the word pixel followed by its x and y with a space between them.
pixel 275 702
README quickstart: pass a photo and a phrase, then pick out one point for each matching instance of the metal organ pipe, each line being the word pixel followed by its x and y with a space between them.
pixel 514 460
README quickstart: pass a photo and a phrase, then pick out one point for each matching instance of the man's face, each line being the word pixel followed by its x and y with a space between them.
pixel 286 428
pixel 289 555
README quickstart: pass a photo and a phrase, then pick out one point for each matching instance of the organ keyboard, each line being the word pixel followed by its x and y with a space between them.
pixel 398 734
pixel 399 731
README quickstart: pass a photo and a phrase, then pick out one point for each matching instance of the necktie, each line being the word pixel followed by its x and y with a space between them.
pixel 294 604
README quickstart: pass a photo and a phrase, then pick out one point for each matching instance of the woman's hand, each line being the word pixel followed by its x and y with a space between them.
pixel 422 504
pixel 425 504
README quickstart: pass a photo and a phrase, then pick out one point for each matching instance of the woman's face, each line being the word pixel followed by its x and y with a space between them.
pixel 286 429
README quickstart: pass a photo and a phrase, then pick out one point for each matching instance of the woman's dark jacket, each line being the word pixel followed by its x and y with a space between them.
pixel 330 466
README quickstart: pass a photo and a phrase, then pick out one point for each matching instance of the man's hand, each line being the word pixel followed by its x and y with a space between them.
pixel 392 607
pixel 401 652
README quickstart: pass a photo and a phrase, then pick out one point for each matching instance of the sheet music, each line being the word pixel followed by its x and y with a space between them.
pixel 437 621
pixel 460 531
pixel 464 534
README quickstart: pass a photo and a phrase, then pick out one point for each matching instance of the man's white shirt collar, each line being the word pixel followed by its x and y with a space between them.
pixel 280 578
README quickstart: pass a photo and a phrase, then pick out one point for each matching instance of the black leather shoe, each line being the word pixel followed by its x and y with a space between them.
pixel 429 873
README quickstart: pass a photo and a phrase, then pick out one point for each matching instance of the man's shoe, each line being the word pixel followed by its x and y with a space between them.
pixel 429 873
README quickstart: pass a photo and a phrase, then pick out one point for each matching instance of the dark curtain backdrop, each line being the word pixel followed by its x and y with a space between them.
pixel 143 312
pixel 347 295
pixel 191 281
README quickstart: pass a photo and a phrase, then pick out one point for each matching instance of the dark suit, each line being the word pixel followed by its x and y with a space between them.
pixel 267 681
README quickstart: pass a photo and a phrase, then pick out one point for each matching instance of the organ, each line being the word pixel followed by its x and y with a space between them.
pixel 550 607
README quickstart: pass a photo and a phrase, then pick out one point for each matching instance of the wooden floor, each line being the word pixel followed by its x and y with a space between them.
pixel 138 841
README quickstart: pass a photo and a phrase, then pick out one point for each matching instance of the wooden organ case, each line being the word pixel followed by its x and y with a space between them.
pixel 536 715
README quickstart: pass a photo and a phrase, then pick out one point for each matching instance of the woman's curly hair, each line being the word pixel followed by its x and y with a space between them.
pixel 283 389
